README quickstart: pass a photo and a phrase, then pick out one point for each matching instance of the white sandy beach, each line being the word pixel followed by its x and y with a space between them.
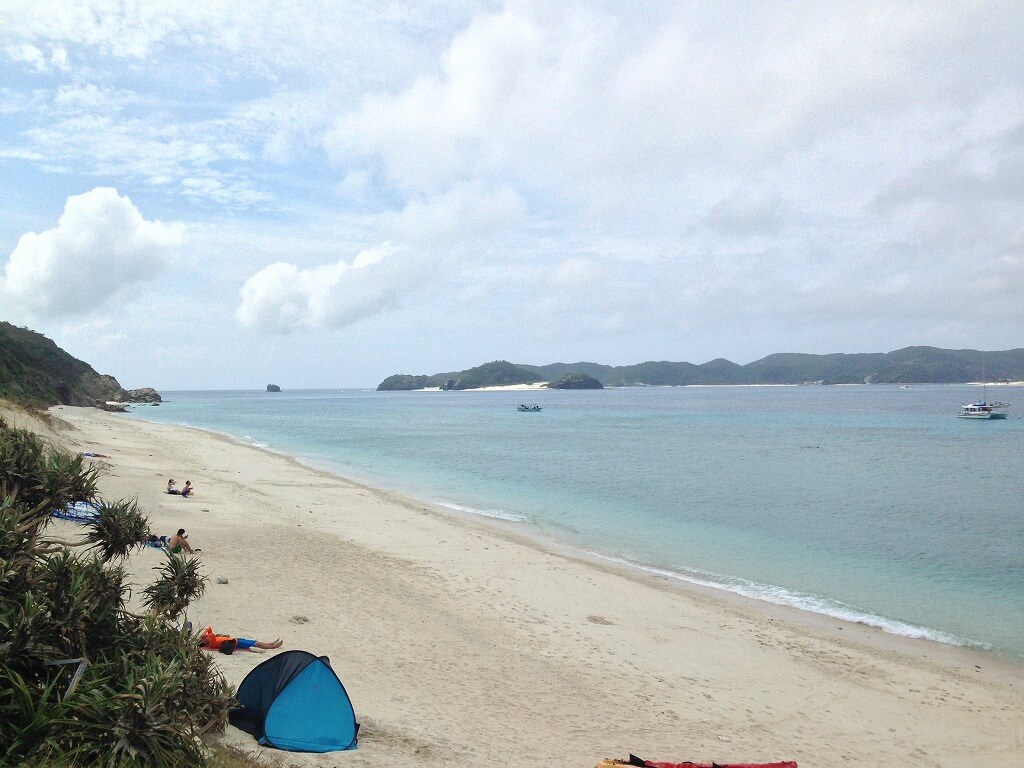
pixel 503 388
pixel 463 644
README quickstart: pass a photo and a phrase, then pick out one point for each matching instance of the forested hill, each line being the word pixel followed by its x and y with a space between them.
pixel 911 365
pixel 35 370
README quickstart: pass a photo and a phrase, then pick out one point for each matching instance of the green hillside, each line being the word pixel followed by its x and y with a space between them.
pixel 499 373
pixel 35 370
pixel 575 381
pixel 911 365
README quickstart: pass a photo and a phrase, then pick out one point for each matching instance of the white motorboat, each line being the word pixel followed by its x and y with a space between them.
pixel 983 410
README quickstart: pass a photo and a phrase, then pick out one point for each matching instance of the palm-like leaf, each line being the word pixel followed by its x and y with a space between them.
pixel 179 584
pixel 30 719
pixel 41 476
pixel 117 528
pixel 148 691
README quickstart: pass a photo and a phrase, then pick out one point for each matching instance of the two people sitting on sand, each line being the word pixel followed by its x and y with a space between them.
pixel 185 492
pixel 227 644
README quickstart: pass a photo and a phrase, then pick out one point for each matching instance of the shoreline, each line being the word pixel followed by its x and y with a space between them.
pixel 828 611
pixel 601 629
pixel 544 386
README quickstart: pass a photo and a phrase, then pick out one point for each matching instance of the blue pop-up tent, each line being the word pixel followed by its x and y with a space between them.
pixel 296 702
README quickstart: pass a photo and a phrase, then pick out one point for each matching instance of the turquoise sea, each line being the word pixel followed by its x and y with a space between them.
pixel 869 503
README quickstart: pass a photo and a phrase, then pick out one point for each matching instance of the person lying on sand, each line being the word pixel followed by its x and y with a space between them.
pixel 160 542
pixel 171 488
pixel 178 543
pixel 188 490
pixel 91 455
pixel 227 644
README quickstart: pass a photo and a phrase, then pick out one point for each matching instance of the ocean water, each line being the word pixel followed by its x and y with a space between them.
pixel 869 503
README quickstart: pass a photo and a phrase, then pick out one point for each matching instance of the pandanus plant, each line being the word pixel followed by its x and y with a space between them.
pixel 83 680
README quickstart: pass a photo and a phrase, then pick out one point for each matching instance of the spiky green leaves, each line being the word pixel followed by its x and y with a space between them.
pixel 41 478
pixel 179 584
pixel 117 529
pixel 148 691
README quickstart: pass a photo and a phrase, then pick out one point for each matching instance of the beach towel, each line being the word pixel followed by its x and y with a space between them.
pixel 79 512
pixel 634 760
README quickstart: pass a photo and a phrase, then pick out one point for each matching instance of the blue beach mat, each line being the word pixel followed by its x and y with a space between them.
pixel 79 512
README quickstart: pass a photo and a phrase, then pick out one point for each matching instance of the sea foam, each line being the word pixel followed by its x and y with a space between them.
pixel 803 601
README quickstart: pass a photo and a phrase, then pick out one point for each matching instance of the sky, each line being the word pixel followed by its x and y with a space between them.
pixel 226 194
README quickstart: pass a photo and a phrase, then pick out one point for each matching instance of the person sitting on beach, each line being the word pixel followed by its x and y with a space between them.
pixel 171 489
pixel 159 542
pixel 178 543
pixel 188 490
pixel 226 643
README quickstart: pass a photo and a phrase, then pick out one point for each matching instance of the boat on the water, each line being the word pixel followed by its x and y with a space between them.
pixel 522 407
pixel 983 410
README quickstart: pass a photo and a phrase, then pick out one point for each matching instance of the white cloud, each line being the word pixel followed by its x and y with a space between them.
pixel 746 211
pixel 282 298
pixel 586 108
pixel 101 245
pixel 204 161
pixel 696 175
pixel 28 54
pixel 461 213
pixel 59 60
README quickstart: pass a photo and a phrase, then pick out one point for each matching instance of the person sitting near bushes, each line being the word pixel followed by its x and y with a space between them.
pixel 178 543
pixel 171 489
pixel 227 644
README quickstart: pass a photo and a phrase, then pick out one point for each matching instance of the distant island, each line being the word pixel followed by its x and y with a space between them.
pixel 576 381
pixel 35 371
pixel 910 365
pixel 273 388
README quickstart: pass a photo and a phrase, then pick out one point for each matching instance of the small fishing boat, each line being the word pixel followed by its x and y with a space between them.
pixel 522 407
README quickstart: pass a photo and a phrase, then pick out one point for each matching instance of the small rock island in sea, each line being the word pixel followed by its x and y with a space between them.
pixel 273 388
pixel 576 381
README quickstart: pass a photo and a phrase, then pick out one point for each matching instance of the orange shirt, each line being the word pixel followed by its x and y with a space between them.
pixel 213 641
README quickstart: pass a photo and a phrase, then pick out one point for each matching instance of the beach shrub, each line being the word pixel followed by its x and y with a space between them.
pixel 84 680
pixel 179 584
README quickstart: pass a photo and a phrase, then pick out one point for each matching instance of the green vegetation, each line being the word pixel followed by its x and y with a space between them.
pixel 496 374
pixel 576 381
pixel 912 365
pixel 402 382
pixel 148 693
pixel 35 371
pixel 499 373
